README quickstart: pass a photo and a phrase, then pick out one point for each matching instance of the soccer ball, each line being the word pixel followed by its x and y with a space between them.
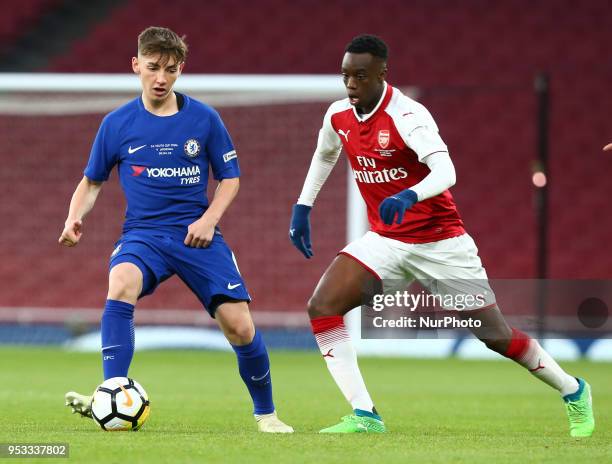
pixel 120 404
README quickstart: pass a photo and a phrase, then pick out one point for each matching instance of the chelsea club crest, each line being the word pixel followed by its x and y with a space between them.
pixel 192 148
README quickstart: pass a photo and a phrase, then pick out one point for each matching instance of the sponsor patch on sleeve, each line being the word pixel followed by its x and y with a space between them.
pixel 230 155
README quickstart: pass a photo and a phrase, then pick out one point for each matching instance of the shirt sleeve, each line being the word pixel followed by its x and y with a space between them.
pixel 221 151
pixel 420 132
pixel 424 142
pixel 104 153
pixel 441 177
pixel 324 159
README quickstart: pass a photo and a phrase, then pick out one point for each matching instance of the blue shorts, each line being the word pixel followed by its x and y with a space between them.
pixel 211 273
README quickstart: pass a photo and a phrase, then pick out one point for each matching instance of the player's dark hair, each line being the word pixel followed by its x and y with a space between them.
pixel 366 43
pixel 163 41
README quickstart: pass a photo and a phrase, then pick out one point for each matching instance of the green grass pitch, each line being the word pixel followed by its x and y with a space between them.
pixel 436 411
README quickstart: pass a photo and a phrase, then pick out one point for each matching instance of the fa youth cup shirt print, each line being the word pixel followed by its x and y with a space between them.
pixel 385 150
pixel 163 162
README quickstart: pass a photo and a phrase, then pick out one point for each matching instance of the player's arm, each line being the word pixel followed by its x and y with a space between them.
pixel 423 138
pixel 102 158
pixel 441 177
pixel 83 200
pixel 608 147
pixel 201 232
pixel 323 161
pixel 224 164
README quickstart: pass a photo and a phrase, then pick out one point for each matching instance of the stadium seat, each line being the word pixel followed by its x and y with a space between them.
pixel 475 74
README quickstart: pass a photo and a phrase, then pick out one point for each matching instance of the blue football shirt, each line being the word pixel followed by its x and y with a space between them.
pixel 163 162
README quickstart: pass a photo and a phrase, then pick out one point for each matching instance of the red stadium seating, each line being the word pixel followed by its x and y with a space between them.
pixel 18 16
pixel 475 62
pixel 49 154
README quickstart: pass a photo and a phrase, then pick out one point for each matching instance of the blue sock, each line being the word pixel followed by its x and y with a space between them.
pixel 254 367
pixel 117 338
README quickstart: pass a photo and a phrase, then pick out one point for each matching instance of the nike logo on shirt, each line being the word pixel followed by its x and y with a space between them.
pixel 134 150
pixel 233 286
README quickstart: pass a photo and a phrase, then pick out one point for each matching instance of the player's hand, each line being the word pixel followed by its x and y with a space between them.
pixel 72 233
pixel 200 233
pixel 608 147
pixel 299 229
pixel 397 205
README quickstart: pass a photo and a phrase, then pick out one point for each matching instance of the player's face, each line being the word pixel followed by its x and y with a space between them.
pixel 363 75
pixel 157 75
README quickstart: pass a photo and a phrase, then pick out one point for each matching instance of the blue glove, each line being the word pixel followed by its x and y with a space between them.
pixel 299 229
pixel 397 204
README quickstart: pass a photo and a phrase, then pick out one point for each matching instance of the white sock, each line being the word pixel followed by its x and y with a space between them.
pixel 528 353
pixel 341 358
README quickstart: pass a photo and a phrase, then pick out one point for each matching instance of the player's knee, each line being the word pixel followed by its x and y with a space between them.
pixel 319 307
pixel 240 332
pixel 122 292
pixel 235 320
pixel 125 283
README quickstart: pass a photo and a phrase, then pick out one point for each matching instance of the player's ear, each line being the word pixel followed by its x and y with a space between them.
pixel 135 65
pixel 383 72
pixel 181 66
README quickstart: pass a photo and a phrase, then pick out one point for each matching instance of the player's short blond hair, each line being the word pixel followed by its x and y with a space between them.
pixel 164 41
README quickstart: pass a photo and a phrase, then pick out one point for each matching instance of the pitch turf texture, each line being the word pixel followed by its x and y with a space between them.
pixel 436 411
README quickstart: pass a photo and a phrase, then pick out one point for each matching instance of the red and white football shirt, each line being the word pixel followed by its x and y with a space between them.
pixel 385 149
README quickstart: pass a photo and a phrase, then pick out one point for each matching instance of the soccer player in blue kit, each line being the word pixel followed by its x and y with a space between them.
pixel 163 144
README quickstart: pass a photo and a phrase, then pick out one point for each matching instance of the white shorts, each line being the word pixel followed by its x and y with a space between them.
pixel 449 266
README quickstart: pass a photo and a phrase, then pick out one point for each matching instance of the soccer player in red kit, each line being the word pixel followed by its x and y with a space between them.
pixel 403 171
